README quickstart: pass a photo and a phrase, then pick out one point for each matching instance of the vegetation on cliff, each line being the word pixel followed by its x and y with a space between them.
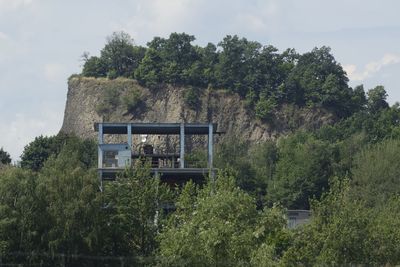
pixel 260 74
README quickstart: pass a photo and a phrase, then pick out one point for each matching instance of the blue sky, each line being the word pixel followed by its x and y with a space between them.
pixel 41 42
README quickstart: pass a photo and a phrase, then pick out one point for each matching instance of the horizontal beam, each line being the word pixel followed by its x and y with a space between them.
pixel 154 128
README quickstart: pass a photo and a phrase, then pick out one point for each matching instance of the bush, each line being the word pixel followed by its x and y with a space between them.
pixel 191 97
pixel 132 99
pixel 264 108
pixel 109 102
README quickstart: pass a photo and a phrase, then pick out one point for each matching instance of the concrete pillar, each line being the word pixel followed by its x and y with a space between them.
pixel 182 146
pixel 129 135
pixel 210 146
pixel 100 154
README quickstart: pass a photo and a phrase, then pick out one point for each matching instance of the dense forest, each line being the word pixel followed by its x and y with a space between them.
pixel 260 74
pixel 52 212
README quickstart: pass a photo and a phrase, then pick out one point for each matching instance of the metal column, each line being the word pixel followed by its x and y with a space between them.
pixel 210 146
pixel 182 146
pixel 129 131
pixel 100 155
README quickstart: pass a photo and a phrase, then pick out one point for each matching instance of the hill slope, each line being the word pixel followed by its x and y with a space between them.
pixel 168 104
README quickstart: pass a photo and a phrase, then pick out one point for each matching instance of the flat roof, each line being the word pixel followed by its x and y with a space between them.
pixel 154 128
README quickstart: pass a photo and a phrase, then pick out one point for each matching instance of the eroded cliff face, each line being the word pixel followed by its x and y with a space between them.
pixel 167 105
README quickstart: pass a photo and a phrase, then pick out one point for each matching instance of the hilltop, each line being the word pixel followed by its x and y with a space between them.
pixel 251 90
pixel 91 100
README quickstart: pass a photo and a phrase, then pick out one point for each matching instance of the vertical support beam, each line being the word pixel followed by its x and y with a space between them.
pixel 182 146
pixel 129 136
pixel 210 145
pixel 100 155
pixel 129 131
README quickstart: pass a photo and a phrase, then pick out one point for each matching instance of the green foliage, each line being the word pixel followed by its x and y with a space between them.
pixel 220 226
pixel 264 108
pixel 19 213
pixel 60 211
pixel 346 232
pixel 232 154
pixel 109 101
pixel 134 211
pixel 377 99
pixel 254 166
pixel 37 152
pixel 302 172
pixel 56 215
pixel 5 158
pixel 376 126
pixel 132 100
pixel 119 57
pixel 172 60
pixel 192 97
pixel 94 67
pixel 259 73
pixel 376 172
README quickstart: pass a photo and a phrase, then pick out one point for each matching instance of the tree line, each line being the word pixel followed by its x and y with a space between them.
pixel 260 74
pixel 53 213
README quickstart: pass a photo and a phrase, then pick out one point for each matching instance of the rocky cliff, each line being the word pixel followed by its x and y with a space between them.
pixel 167 104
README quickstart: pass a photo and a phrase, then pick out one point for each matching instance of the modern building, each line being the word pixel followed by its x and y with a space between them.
pixel 169 163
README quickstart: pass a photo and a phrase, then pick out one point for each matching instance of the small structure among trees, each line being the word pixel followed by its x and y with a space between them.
pixel 167 161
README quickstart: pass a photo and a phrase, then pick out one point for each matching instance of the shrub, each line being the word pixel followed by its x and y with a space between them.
pixel 132 99
pixel 264 108
pixel 109 102
pixel 191 97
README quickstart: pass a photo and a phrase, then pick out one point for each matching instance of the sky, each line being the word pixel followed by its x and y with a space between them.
pixel 41 43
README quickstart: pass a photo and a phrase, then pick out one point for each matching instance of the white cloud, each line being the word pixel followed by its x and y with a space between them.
pixel 252 22
pixel 6 5
pixel 23 128
pixel 6 46
pixel 3 36
pixel 54 72
pixel 159 18
pixel 370 68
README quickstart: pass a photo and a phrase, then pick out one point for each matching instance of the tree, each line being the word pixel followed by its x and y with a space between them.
pixel 232 154
pixel 74 218
pixel 359 99
pixel 375 173
pixel 168 60
pixel 302 172
pixel 120 55
pixel 344 231
pixel 318 80
pixel 237 64
pixel 219 226
pixel 94 67
pixel 4 157
pixel 336 233
pixel 39 150
pixel 377 99
pixel 134 208
pixel 21 216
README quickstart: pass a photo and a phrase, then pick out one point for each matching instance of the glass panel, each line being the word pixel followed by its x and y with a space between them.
pixel 110 159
